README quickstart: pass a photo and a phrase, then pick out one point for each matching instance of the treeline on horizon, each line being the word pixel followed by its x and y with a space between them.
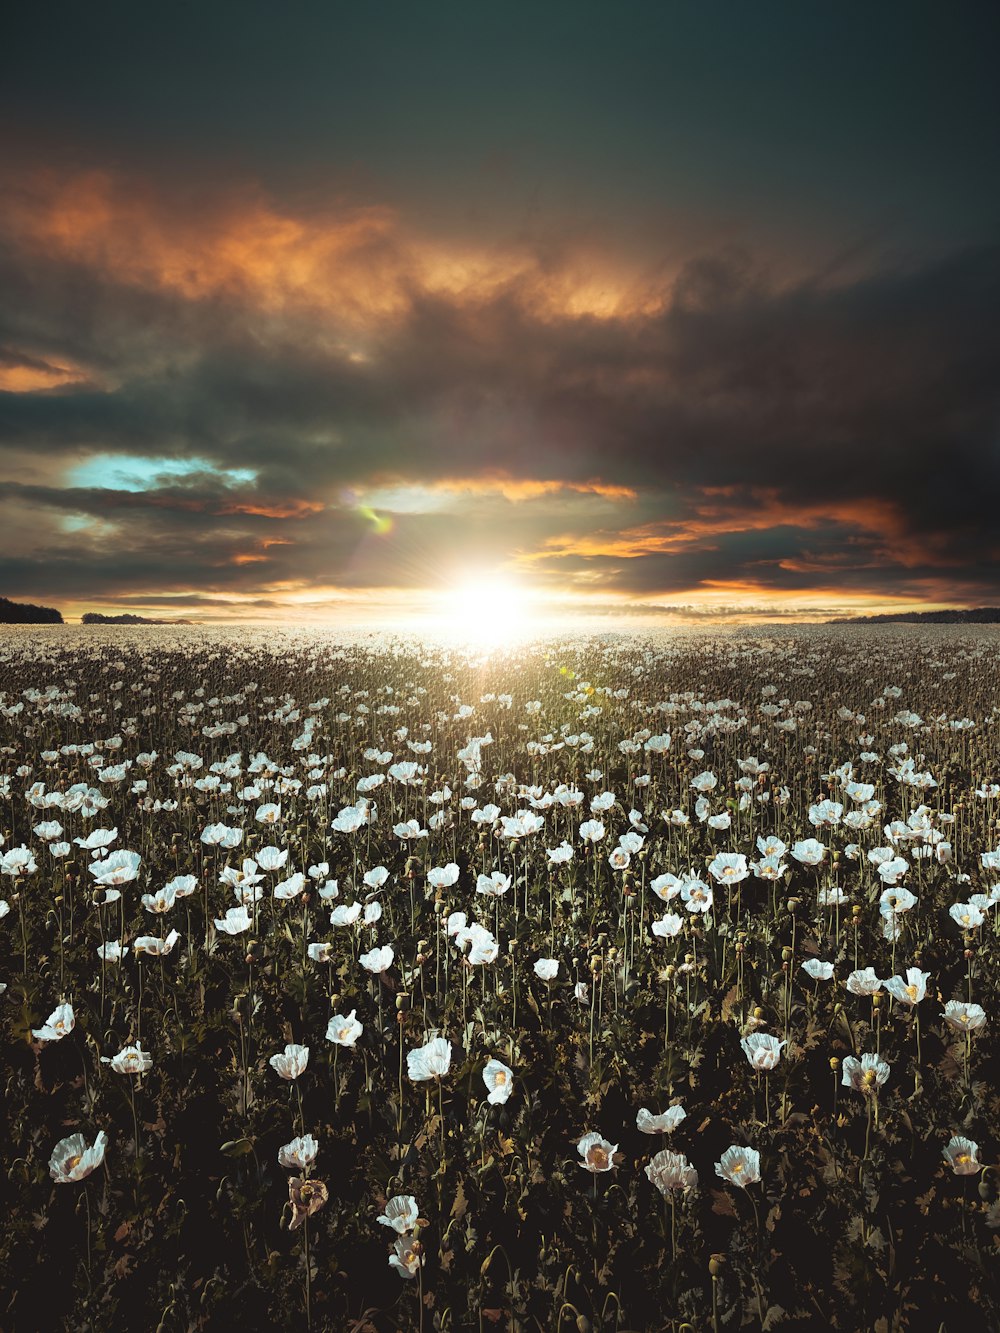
pixel 126 618
pixel 26 613
pixel 979 615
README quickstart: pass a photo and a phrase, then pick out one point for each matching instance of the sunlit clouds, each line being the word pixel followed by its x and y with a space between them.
pixel 218 403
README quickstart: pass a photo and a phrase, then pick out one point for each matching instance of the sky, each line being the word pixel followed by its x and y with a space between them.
pixel 640 311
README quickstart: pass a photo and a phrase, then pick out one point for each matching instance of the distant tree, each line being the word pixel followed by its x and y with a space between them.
pixel 126 618
pixel 979 615
pixel 25 613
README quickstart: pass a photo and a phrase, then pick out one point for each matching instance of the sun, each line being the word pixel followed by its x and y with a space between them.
pixel 487 611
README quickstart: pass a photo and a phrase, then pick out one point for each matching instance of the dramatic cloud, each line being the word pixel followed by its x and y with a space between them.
pixel 235 394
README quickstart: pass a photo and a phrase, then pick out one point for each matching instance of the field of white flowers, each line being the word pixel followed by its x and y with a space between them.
pixel 612 983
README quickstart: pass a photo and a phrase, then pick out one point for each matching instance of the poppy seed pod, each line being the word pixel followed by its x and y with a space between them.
pixel 786 955
pixel 834 1063
pixel 716 1264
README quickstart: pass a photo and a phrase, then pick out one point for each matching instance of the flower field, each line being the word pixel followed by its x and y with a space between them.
pixel 613 983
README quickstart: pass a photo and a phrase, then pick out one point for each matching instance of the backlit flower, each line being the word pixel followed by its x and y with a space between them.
pixel 292 1062
pixel 647 1123
pixel 671 1171
pixel 809 852
pixel 864 1075
pixel 762 1050
pixel 72 1160
pixel 406 1257
pixel 863 982
pixel 729 868
pixel 696 896
pixel 152 944
pixel 129 1060
pixel 432 1060
pixel 377 960
pixel 964 1017
pixel 344 1029
pixel 961 1156
pixel 59 1024
pixel 299 1154
pixel 966 915
pixel 401 1213
pixel 597 1153
pixel 235 922
pixel 912 990
pixel 499 1080
pixel 669 925
pixel 740 1166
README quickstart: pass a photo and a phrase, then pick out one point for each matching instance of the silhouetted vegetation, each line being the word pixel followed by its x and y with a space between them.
pixel 978 615
pixel 26 613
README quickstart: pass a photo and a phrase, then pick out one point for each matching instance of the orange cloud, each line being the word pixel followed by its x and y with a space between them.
pixel 281 509
pixel 759 511
pixel 523 488
pixel 359 265
pixel 34 377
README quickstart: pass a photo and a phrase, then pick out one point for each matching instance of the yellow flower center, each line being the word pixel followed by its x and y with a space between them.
pixel 500 1078
pixel 737 1168
pixel 72 1162
pixel 911 992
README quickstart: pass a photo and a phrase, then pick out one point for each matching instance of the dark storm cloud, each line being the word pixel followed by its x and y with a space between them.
pixel 760 352
pixel 786 116
pixel 875 402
